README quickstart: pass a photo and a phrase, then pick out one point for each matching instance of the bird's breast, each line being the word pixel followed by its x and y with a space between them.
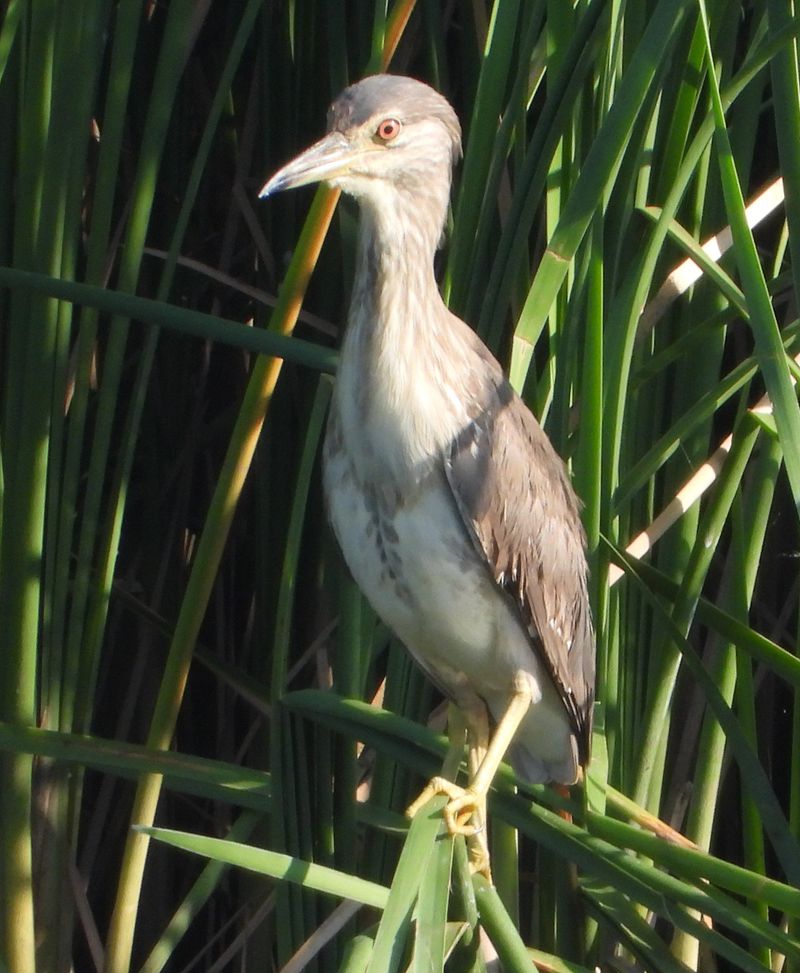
pixel 398 402
pixel 414 561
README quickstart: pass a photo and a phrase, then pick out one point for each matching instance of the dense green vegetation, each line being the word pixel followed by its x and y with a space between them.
pixel 182 654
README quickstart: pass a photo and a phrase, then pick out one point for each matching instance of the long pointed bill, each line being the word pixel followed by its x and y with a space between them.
pixel 329 157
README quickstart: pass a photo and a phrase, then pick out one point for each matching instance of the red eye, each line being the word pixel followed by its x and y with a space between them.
pixel 388 129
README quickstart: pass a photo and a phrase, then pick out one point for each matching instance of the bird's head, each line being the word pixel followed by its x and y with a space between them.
pixel 384 133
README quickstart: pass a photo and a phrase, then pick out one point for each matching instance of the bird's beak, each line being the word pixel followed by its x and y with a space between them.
pixel 326 159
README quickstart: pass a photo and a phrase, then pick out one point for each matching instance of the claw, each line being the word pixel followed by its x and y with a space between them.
pixel 440 785
pixel 459 811
pixel 463 804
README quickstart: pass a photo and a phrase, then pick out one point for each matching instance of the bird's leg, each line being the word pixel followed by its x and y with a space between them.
pixel 477 720
pixel 465 812
pixel 456 728
pixel 469 714
pixel 467 801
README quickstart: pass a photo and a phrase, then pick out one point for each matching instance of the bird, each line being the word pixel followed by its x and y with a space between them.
pixel 453 511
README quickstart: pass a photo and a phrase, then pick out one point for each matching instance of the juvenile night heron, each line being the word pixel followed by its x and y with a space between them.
pixel 452 509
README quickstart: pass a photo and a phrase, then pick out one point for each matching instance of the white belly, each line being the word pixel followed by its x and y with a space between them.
pixel 417 566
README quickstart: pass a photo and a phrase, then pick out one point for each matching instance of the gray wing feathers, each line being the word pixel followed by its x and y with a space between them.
pixel 513 494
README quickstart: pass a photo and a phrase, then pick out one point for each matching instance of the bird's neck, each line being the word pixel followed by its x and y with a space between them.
pixel 395 395
pixel 397 242
pixel 396 301
pixel 396 306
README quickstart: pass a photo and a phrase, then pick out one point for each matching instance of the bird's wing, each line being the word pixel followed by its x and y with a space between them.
pixel 513 494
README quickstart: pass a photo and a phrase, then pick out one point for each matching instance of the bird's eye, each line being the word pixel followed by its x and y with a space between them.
pixel 388 129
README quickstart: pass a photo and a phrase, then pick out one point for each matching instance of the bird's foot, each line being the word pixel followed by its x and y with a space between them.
pixel 464 814
pixel 463 803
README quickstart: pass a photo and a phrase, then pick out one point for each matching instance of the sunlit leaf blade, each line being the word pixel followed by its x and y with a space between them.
pixel 276 865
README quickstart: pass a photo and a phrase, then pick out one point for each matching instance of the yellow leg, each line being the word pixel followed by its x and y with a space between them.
pixel 477 719
pixel 473 797
pixel 465 812
pixel 469 716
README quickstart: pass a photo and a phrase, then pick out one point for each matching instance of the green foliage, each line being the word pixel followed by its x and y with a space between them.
pixel 207 739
